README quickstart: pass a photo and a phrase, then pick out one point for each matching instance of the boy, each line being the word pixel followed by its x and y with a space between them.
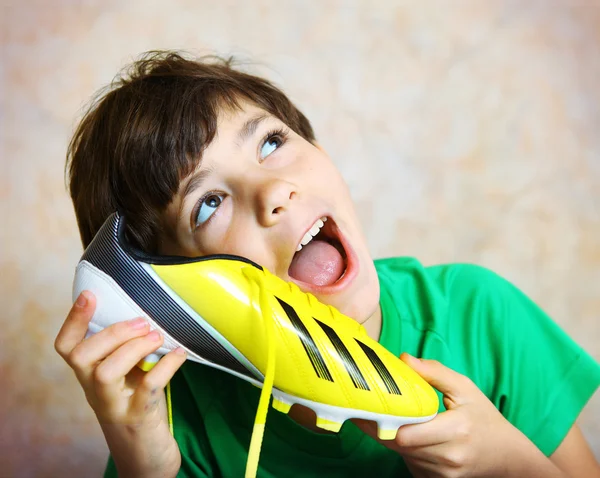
pixel 203 159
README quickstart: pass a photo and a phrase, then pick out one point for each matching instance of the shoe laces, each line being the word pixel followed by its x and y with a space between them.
pixel 255 278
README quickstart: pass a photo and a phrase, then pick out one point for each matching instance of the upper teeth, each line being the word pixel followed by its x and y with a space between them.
pixel 314 230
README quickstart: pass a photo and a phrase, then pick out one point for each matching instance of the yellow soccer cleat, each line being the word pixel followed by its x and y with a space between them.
pixel 231 314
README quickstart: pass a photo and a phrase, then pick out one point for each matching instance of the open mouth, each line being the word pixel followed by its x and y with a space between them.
pixel 322 259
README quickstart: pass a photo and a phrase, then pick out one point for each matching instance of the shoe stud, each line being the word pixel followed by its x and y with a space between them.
pixel 148 362
pixel 330 425
pixel 281 406
pixel 386 432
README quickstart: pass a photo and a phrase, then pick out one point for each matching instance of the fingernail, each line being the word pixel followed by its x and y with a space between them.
pixel 154 336
pixel 180 351
pixel 138 323
pixel 81 300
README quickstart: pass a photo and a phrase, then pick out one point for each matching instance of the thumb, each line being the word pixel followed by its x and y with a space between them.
pixel 456 387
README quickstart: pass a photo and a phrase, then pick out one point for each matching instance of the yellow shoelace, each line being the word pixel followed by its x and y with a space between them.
pixel 170 408
pixel 260 419
pixel 265 395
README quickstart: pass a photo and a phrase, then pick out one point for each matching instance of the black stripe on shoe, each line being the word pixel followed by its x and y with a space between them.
pixel 384 373
pixel 351 366
pixel 314 355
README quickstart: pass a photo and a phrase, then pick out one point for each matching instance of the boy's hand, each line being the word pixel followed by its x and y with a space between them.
pixel 471 438
pixel 129 403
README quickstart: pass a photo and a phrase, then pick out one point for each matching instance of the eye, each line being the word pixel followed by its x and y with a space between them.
pixel 271 143
pixel 207 206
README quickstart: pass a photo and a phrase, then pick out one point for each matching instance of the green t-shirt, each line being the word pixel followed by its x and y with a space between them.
pixel 465 316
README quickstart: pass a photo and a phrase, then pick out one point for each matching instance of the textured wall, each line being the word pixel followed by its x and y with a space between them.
pixel 468 131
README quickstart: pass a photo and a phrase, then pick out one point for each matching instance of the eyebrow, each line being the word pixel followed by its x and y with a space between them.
pixel 249 128
pixel 194 183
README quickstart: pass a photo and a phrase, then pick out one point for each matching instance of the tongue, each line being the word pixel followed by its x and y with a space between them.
pixel 318 263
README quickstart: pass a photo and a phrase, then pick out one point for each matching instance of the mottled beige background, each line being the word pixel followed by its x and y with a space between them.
pixel 468 131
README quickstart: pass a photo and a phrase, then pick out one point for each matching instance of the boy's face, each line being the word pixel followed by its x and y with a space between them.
pixel 258 190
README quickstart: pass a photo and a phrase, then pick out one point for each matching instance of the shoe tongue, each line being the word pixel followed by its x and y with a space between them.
pixel 318 263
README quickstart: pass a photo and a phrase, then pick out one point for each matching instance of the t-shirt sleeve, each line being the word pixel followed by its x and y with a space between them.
pixel 535 374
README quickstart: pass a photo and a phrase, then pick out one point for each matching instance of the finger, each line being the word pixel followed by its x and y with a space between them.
pixel 75 326
pixel 423 457
pixel 110 374
pixel 146 397
pixel 441 456
pixel 441 429
pixel 85 356
pixel 423 468
pixel 455 386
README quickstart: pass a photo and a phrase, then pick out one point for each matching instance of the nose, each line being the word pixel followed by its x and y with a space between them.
pixel 273 199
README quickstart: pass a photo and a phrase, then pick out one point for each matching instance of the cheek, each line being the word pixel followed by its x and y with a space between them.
pixel 329 183
pixel 248 245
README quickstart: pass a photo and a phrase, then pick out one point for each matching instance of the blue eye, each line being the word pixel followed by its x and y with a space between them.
pixel 207 206
pixel 273 142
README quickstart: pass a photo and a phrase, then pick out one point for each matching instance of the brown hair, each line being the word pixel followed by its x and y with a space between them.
pixel 146 132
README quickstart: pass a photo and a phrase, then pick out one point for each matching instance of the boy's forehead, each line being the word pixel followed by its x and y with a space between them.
pixel 230 117
pixel 235 126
